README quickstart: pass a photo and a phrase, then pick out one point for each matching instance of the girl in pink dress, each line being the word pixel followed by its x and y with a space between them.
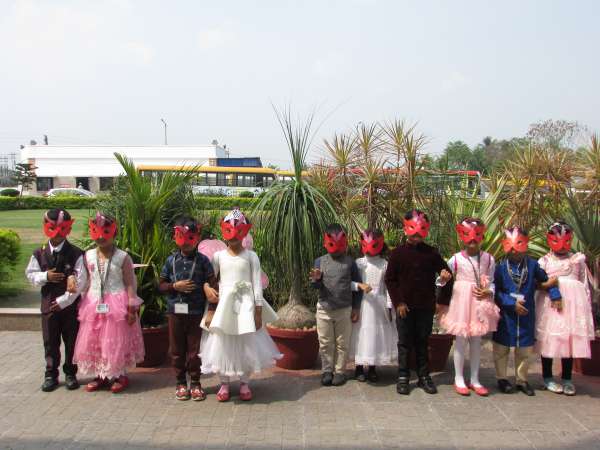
pixel 110 340
pixel 564 328
pixel 472 311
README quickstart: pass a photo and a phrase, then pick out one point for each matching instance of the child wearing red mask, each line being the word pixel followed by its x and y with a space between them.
pixel 237 344
pixel 110 336
pixel 338 306
pixel 374 336
pixel 183 278
pixel 52 267
pixel 564 328
pixel 472 312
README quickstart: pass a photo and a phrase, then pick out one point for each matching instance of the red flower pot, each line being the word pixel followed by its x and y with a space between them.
pixel 299 347
pixel 439 349
pixel 156 345
pixel 590 366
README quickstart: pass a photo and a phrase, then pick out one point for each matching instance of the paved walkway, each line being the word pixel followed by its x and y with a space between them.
pixel 291 411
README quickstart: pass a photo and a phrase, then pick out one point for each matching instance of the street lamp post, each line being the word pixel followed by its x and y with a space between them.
pixel 165 124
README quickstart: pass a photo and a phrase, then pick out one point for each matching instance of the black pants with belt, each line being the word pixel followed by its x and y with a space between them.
pixel 56 325
pixel 413 335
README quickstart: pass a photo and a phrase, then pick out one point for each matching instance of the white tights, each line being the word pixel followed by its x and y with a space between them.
pixel 245 378
pixel 460 349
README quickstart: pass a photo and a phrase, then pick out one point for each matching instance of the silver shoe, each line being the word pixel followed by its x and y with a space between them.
pixel 553 386
pixel 569 388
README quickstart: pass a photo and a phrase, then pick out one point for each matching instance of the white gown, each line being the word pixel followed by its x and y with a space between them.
pixel 374 337
pixel 233 347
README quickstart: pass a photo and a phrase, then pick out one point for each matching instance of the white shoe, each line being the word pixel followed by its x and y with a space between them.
pixel 553 386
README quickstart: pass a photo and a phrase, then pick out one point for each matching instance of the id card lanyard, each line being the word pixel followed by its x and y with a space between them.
pixel 102 307
pixel 189 278
pixel 476 273
pixel 522 278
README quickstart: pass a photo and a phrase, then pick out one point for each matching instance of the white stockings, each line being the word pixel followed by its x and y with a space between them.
pixel 460 350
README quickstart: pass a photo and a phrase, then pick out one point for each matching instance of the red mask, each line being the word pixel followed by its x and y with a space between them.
pixel 515 240
pixel 183 236
pixel 101 228
pixel 59 227
pixel 469 231
pixel 417 225
pixel 371 245
pixel 560 242
pixel 335 243
pixel 230 230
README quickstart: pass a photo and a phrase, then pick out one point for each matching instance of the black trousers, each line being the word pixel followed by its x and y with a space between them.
pixel 567 368
pixel 55 325
pixel 413 335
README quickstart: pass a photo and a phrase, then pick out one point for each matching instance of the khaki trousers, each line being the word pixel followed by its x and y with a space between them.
pixel 334 328
pixel 522 356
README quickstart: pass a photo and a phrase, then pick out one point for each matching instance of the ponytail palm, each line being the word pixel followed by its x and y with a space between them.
pixel 292 217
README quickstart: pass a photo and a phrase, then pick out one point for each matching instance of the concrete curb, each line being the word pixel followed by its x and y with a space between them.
pixel 20 319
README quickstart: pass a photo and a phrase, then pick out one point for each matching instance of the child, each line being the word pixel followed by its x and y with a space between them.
pixel 564 329
pixel 237 344
pixel 338 306
pixel 516 279
pixel 411 282
pixel 49 268
pixel 183 278
pixel 472 311
pixel 374 336
pixel 110 336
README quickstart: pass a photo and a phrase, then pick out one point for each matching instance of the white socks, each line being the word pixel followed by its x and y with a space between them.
pixel 226 380
pixel 460 349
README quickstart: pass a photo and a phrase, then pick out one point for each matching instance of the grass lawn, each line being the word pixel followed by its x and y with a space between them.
pixel 17 292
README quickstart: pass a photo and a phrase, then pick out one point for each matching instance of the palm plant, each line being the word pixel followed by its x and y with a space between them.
pixel 290 232
pixel 145 208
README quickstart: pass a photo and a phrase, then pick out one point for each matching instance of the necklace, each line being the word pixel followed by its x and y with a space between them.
pixel 476 273
pixel 521 274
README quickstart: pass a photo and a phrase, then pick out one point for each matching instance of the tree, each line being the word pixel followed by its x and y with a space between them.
pixel 556 134
pixel 24 176
pixel 457 156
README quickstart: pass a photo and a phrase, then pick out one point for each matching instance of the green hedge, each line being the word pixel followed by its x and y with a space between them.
pixel 10 246
pixel 9 192
pixel 224 203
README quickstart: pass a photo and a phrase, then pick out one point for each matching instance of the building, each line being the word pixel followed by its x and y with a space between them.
pixel 94 167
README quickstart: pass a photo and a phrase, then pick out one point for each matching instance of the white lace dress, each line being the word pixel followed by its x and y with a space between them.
pixel 233 347
pixel 374 337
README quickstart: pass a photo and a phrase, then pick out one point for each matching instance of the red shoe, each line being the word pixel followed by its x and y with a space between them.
pixel 462 390
pixel 98 383
pixel 197 393
pixel 181 392
pixel 120 384
pixel 245 392
pixel 223 394
pixel 479 390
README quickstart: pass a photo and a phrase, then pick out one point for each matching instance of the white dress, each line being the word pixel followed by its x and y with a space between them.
pixel 374 337
pixel 233 347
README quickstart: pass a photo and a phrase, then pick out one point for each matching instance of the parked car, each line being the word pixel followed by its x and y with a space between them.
pixel 76 192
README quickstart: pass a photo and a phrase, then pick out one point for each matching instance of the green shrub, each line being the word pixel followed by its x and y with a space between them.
pixel 10 245
pixel 31 202
pixel 224 203
pixel 9 192
pixel 246 194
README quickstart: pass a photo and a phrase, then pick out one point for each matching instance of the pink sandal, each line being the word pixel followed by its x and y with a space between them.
pixel 482 391
pixel 245 392
pixel 223 394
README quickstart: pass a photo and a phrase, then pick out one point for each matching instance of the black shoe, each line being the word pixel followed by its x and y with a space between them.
pixel 505 387
pixel 526 389
pixel 426 383
pixel 49 384
pixel 326 378
pixel 402 386
pixel 359 374
pixel 372 375
pixel 339 379
pixel 71 382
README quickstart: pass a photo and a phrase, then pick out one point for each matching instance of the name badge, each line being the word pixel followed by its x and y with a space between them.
pixel 101 308
pixel 181 308
pixel 519 297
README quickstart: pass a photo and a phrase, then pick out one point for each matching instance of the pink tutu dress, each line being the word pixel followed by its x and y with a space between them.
pixel 107 346
pixel 467 316
pixel 566 333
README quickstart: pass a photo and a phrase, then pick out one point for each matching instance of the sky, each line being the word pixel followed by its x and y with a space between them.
pixel 107 71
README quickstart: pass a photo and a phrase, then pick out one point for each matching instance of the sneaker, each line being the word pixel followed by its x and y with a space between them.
pixel 71 382
pixel 339 379
pixel 359 374
pixel 197 393
pixel 182 392
pixel 568 388
pixel 245 392
pixel 552 386
pixel 505 387
pixel 426 383
pixel 526 389
pixel 326 378
pixel 372 375
pixel 402 386
pixel 119 385
pixel 97 383
pixel 49 384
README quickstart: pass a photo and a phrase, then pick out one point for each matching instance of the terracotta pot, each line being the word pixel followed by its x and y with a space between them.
pixel 590 366
pixel 156 345
pixel 299 347
pixel 439 349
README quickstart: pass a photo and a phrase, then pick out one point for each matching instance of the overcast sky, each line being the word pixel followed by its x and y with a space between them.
pixel 106 72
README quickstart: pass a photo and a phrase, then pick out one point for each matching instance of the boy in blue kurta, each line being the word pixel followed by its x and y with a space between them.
pixel 516 279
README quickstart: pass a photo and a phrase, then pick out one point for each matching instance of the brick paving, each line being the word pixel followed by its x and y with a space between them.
pixel 291 411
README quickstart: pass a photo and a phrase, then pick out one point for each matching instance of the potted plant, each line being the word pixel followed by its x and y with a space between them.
pixel 145 208
pixel 291 217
